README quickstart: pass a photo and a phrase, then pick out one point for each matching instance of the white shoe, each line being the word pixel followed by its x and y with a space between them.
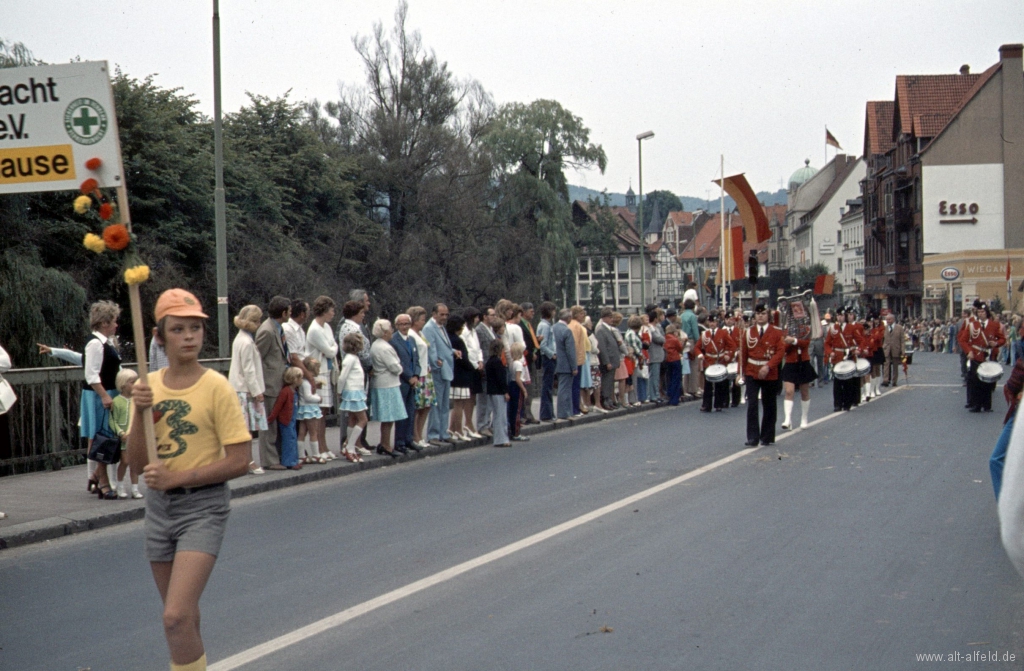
pixel 122 493
pixel 454 438
pixel 136 494
pixel 473 434
pixel 328 455
pixel 424 444
pixel 3 516
pixel 787 426
pixel 803 424
pixel 362 451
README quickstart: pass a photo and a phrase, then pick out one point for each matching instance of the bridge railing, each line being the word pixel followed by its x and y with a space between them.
pixel 41 431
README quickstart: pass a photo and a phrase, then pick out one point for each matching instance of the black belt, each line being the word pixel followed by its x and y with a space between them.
pixel 192 490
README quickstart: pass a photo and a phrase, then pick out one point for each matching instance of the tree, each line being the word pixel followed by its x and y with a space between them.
pixel 531 146
pixel 804 276
pixel 667 202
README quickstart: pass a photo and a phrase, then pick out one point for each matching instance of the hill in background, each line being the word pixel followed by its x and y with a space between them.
pixel 689 203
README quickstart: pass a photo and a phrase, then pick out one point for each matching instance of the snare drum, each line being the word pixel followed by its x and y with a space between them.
pixel 733 370
pixel 845 370
pixel 863 367
pixel 716 373
pixel 990 372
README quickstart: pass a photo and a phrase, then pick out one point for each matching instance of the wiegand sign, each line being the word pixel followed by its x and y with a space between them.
pixel 54 118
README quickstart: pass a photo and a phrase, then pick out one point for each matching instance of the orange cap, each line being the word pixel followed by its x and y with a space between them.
pixel 178 303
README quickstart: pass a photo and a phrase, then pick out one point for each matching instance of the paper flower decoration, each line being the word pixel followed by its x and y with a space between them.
pixel 89 185
pixel 116 236
pixel 94 243
pixel 83 204
pixel 136 275
pixel 93 164
pixel 106 211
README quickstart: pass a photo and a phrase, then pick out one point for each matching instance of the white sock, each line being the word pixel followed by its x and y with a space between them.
pixel 315 448
pixel 92 467
pixel 135 489
pixel 353 435
pixel 805 409
pixel 787 407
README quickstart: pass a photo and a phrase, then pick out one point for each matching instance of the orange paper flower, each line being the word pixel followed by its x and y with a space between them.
pixel 89 185
pixel 116 236
pixel 106 211
pixel 93 163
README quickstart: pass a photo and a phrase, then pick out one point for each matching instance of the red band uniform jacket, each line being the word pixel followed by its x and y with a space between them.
pixel 719 348
pixel 841 338
pixel 981 340
pixel 768 347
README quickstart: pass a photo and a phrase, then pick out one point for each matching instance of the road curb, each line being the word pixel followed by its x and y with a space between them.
pixel 51 528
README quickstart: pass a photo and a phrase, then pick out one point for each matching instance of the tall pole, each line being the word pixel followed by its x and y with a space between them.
pixel 643 242
pixel 721 252
pixel 220 225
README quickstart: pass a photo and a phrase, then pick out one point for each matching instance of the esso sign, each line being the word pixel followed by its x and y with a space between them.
pixel 950 274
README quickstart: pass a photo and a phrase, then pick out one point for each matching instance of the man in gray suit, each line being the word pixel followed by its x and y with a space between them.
pixel 485 334
pixel 565 362
pixel 442 370
pixel 270 342
pixel 609 356
pixel 892 346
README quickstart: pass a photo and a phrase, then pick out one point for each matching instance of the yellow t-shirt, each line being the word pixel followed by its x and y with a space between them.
pixel 193 425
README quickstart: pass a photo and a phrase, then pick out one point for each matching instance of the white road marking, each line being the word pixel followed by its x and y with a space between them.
pixel 320 626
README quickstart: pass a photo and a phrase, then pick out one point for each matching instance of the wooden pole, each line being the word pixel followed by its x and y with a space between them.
pixel 138 333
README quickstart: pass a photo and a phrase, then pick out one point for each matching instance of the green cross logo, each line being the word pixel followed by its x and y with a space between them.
pixel 85 121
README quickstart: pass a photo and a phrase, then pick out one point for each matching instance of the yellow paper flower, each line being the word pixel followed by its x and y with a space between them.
pixel 94 243
pixel 83 204
pixel 136 275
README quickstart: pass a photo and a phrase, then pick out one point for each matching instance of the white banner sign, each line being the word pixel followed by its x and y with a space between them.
pixel 53 120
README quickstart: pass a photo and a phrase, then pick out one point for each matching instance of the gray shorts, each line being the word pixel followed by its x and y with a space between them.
pixel 186 521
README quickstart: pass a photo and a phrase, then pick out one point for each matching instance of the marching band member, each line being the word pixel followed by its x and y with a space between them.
pixel 979 338
pixel 714 346
pixel 874 338
pixel 797 372
pixel 842 342
pixel 734 325
pixel 761 352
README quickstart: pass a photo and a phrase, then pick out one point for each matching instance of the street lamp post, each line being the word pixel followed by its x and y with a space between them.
pixel 643 243
pixel 220 227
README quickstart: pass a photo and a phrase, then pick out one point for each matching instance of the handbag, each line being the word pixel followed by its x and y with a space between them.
pixel 335 371
pixel 7 396
pixel 106 447
pixel 644 372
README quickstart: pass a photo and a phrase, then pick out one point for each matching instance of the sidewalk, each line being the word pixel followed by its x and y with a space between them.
pixel 51 504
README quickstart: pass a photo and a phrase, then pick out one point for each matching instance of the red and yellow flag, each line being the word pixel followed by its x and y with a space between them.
pixel 824 284
pixel 733 262
pixel 751 212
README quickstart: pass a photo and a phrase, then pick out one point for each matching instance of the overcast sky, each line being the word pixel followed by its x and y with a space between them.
pixel 755 80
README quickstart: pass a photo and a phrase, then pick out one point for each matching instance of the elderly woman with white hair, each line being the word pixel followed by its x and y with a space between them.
pixel 386 405
pixel 246 376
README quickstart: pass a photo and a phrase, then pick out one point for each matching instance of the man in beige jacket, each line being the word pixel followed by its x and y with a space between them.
pixel 892 346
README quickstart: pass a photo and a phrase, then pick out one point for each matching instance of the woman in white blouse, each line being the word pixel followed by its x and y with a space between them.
pixel 246 376
pixel 386 404
pixel 322 346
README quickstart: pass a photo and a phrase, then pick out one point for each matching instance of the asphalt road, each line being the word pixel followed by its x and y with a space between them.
pixel 857 543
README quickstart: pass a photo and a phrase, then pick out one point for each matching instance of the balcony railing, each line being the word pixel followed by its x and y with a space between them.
pixel 41 430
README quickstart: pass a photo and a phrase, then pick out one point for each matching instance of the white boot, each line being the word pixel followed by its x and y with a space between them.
pixel 787 407
pixel 878 386
pixel 805 409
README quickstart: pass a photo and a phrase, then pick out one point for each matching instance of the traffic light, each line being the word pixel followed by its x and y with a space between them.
pixel 752 266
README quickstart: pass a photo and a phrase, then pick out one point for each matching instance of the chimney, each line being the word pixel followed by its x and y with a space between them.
pixel 1008 51
pixel 965 69
pixel 1010 56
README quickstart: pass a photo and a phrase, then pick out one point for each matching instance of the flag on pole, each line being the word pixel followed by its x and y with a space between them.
pixel 755 222
pixel 732 266
pixel 831 139
pixel 824 284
